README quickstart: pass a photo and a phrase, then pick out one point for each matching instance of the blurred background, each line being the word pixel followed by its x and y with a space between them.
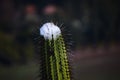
pixel 95 30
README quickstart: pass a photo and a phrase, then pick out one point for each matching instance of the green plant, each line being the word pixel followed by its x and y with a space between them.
pixel 54 63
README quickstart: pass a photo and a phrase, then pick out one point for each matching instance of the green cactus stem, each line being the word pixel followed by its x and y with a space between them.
pixel 54 57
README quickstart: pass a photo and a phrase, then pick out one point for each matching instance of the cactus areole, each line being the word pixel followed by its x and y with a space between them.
pixel 49 31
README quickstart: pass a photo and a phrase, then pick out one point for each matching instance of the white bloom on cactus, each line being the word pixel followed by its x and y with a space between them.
pixel 50 30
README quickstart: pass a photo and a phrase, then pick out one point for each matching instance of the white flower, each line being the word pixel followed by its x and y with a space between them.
pixel 49 31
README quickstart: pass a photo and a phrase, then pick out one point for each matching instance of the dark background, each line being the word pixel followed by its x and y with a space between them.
pixel 94 27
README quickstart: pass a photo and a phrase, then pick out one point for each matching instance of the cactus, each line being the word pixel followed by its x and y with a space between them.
pixel 54 63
